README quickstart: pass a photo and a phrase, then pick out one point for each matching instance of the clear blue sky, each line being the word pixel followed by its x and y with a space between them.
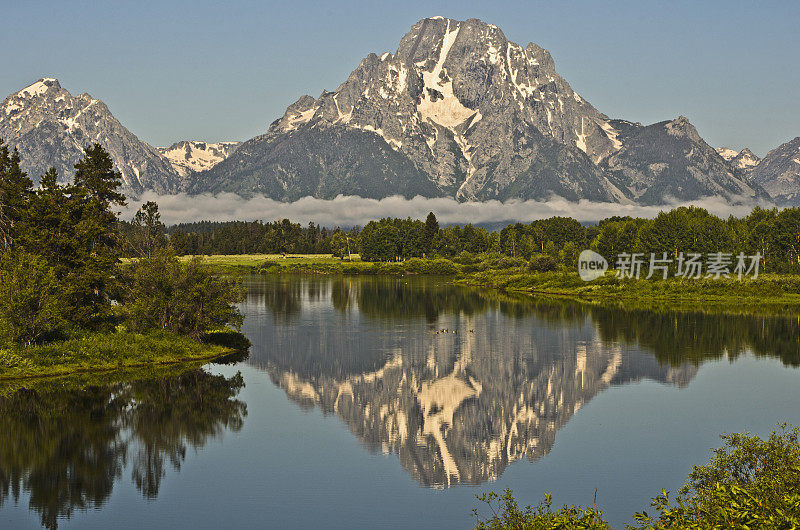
pixel 225 70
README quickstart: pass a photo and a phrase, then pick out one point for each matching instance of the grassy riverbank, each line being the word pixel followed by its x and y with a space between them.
pixel 322 264
pixel 101 352
pixel 767 292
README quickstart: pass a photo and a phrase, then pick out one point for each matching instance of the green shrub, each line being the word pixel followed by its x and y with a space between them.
pixel 749 483
pixel 187 299
pixel 30 306
pixel 441 266
pixel 498 262
pixel 269 266
pixel 415 265
pixel 506 514
pixel 465 258
pixel 351 268
pixel 542 263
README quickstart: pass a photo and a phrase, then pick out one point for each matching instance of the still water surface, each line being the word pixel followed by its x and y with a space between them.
pixel 382 402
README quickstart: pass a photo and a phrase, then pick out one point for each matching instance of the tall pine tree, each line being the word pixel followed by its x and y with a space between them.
pixel 430 232
pixel 97 250
pixel 15 193
pixel 49 224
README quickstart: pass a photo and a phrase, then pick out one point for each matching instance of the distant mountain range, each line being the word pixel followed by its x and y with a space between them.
pixel 457 111
pixel 50 127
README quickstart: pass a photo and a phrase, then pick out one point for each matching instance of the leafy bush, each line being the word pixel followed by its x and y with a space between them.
pixel 227 337
pixel 542 263
pixel 441 266
pixel 270 266
pixel 496 262
pixel 749 483
pixel 351 268
pixel 465 258
pixel 415 265
pixel 186 299
pixel 507 514
pixel 29 298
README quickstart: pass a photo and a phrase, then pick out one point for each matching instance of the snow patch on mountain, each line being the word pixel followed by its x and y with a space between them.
pixel 438 103
pixel 38 88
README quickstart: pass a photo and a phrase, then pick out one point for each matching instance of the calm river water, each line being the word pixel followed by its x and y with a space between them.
pixel 382 402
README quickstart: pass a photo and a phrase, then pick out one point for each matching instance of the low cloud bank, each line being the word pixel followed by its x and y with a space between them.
pixel 352 210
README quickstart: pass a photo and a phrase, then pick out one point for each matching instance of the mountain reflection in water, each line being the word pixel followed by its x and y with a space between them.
pixel 460 382
pixel 67 448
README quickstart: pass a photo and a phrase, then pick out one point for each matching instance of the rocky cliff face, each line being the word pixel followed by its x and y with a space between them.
pixel 779 172
pixel 51 128
pixel 456 111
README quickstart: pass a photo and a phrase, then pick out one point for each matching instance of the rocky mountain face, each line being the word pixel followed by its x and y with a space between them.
pixel 670 161
pixel 50 127
pixel 190 156
pixel 779 173
pixel 460 111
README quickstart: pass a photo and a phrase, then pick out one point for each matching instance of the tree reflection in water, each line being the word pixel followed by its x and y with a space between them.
pixel 66 448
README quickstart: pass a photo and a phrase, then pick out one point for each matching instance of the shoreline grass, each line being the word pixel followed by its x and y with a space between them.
pixel 104 352
pixel 767 293
pixel 321 264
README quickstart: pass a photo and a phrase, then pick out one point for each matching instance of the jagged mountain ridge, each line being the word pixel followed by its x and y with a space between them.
pixel 670 161
pixel 457 111
pixel 779 172
pixel 473 116
pixel 51 128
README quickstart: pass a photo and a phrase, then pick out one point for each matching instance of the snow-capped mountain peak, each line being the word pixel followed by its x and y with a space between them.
pixel 195 155
pixel 50 127
pixel 744 159
pixel 727 153
pixel 39 87
pixel 466 112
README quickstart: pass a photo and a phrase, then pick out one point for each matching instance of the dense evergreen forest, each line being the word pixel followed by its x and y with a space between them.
pixel 773 233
